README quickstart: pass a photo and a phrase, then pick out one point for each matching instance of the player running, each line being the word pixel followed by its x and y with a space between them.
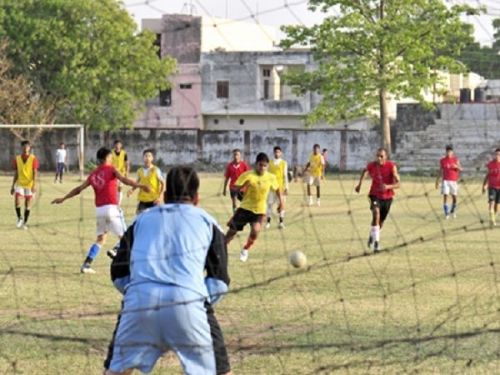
pixel 450 169
pixel 108 215
pixel 151 176
pixel 234 169
pixel 316 169
pixel 61 161
pixel 279 168
pixel 257 183
pixel 24 182
pixel 172 263
pixel 385 179
pixel 492 182
pixel 121 164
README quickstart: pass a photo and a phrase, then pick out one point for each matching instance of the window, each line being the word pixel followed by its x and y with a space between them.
pixel 266 72
pixel 157 44
pixel 165 98
pixel 185 86
pixel 266 88
pixel 222 89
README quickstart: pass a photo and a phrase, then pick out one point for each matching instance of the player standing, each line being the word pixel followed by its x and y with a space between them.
pixel 450 169
pixel 61 161
pixel 24 182
pixel 385 179
pixel 108 215
pixel 234 169
pixel 257 183
pixel 172 263
pixel 492 182
pixel 316 169
pixel 279 168
pixel 151 176
pixel 121 164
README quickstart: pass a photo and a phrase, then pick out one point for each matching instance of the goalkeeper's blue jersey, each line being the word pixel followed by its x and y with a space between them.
pixel 175 244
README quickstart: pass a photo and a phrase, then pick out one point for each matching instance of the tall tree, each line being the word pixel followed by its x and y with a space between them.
pixel 367 50
pixel 84 56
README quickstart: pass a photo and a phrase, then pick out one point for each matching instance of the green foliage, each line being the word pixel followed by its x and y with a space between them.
pixel 366 49
pixel 86 56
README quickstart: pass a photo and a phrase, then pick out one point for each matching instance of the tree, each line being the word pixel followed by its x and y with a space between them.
pixel 367 50
pixel 86 57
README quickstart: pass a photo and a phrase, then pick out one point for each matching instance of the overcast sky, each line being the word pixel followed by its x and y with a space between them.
pixel 276 12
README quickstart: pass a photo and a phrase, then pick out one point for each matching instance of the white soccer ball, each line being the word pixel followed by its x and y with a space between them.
pixel 298 259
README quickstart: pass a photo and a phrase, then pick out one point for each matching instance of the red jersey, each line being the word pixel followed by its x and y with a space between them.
pixel 103 180
pixel 25 157
pixel 233 171
pixel 381 175
pixel 493 174
pixel 449 166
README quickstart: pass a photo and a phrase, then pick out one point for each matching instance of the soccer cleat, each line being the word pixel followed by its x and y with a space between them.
pixel 19 224
pixel 111 253
pixel 87 269
pixel 318 203
pixel 25 227
pixel 268 225
pixel 281 225
pixel 454 215
pixel 447 217
pixel 243 255
pixel 376 247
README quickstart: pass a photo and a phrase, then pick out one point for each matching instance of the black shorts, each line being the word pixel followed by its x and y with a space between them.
pixel 238 194
pixel 243 217
pixel 384 205
pixel 494 195
pixel 142 206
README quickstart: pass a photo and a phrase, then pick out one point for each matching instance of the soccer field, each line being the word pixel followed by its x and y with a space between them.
pixel 428 303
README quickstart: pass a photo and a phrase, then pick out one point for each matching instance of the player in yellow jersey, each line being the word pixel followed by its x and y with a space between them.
pixel 279 167
pixel 24 182
pixel 151 176
pixel 120 162
pixel 257 184
pixel 316 169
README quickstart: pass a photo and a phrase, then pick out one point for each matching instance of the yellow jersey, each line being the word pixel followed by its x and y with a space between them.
pixel 257 188
pixel 316 163
pixel 119 161
pixel 25 174
pixel 153 178
pixel 279 168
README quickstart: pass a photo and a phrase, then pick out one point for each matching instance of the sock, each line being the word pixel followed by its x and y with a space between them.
pixel 453 208
pixel 249 244
pixel 93 252
pixel 26 215
pixel 445 209
pixel 492 216
pixel 375 233
pixel 18 212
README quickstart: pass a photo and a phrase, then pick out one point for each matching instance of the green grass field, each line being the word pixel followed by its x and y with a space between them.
pixel 429 303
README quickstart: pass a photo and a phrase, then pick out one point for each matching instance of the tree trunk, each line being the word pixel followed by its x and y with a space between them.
pixel 384 121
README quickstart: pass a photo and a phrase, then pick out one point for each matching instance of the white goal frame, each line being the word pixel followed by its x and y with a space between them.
pixel 81 137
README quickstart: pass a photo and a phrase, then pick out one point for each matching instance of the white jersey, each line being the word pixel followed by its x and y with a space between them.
pixel 61 155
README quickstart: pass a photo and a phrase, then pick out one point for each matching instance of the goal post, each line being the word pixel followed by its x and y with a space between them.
pixel 81 137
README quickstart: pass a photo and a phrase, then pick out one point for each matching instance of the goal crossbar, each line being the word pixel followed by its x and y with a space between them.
pixel 81 137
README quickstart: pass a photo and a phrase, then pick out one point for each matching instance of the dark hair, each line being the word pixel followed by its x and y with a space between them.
pixel 383 149
pixel 497 150
pixel 102 154
pixel 117 141
pixel 316 146
pixel 236 150
pixel 182 184
pixel 61 144
pixel 449 148
pixel 152 151
pixel 25 143
pixel 276 148
pixel 261 156
pixel 325 150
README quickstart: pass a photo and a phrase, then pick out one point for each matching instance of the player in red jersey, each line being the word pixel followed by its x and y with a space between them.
pixel 450 169
pixel 104 180
pixel 492 182
pixel 385 179
pixel 234 169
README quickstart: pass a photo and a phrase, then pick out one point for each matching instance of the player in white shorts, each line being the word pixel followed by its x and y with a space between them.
pixel 449 173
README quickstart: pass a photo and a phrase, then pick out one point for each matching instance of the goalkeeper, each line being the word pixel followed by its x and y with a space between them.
pixel 172 268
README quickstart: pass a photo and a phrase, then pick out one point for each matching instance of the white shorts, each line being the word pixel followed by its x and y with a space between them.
pixel 316 181
pixel 272 197
pixel 449 187
pixel 109 218
pixel 24 192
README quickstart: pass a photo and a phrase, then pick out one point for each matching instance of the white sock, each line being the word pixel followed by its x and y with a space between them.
pixel 376 233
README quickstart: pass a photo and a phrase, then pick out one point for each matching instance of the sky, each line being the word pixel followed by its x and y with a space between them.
pixel 280 12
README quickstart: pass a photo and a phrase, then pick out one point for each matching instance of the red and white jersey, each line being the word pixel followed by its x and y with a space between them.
pixel 493 174
pixel 449 167
pixel 381 175
pixel 233 171
pixel 105 184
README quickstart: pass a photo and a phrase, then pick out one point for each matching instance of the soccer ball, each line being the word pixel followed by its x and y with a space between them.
pixel 298 259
